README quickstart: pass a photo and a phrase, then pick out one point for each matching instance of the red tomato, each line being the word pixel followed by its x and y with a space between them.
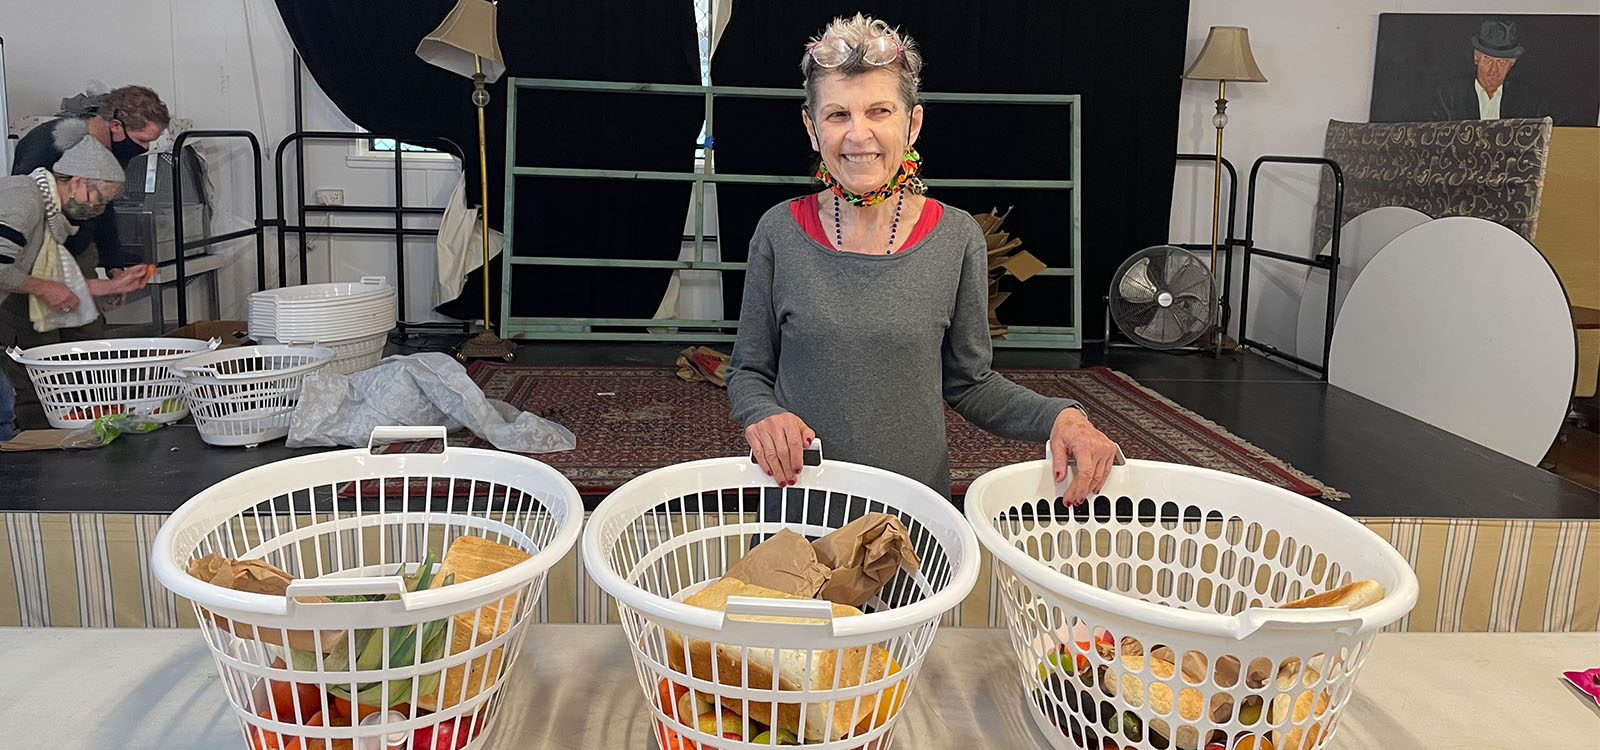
pixel 447 735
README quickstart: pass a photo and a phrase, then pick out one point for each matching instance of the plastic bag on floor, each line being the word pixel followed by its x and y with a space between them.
pixel 414 390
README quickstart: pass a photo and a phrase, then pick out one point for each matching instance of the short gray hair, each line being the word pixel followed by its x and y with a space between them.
pixel 907 67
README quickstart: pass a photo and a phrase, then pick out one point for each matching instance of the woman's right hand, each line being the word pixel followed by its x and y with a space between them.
pixel 777 443
pixel 122 281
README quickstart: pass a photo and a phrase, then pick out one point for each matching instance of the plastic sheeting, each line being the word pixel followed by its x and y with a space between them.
pixel 414 390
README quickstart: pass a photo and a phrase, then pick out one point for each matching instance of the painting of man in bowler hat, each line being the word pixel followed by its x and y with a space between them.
pixel 1472 66
pixel 1488 95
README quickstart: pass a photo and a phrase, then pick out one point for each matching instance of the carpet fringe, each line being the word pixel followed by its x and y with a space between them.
pixel 1328 493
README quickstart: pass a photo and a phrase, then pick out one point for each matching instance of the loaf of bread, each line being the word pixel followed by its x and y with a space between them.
pixel 469 558
pixel 1353 595
pixel 850 664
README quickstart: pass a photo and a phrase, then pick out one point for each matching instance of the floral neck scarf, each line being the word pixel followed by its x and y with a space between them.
pixel 903 179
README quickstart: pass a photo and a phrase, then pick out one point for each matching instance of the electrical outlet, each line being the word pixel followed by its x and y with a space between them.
pixel 329 197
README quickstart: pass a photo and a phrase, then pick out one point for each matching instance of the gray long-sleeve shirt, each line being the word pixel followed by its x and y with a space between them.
pixel 25 217
pixel 867 349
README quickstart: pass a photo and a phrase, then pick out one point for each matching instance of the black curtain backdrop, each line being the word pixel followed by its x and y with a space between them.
pixel 1124 58
pixel 363 55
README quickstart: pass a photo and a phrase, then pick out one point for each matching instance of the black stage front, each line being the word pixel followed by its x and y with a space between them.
pixel 1391 464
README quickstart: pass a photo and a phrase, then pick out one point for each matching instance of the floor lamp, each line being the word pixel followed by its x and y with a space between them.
pixel 1224 57
pixel 467 44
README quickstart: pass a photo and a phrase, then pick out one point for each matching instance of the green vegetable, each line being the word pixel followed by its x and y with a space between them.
pixel 370 653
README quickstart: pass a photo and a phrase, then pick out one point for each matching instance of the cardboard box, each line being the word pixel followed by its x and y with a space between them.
pixel 232 332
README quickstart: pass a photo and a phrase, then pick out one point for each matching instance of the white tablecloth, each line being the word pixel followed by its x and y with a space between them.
pixel 70 689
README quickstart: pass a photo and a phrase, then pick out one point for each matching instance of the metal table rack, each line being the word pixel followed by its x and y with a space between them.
pixel 398 210
pixel 1328 262
pixel 180 262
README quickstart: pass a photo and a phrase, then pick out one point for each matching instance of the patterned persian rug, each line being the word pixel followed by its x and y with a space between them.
pixel 631 419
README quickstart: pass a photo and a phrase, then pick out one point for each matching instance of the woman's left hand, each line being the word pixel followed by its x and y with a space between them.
pixel 1093 452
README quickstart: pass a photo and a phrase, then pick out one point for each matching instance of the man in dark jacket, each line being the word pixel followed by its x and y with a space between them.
pixel 1487 96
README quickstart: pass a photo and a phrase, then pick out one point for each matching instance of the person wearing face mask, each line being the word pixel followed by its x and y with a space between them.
pixel 865 305
pixel 125 121
pixel 35 214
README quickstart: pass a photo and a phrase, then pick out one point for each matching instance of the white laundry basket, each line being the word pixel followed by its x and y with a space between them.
pixel 349 355
pixel 355 355
pixel 80 381
pixel 1145 619
pixel 671 532
pixel 348 523
pixel 246 395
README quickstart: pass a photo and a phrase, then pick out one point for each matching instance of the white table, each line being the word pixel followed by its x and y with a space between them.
pixel 69 689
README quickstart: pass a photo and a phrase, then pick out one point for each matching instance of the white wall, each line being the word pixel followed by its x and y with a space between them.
pixel 1318 59
pixel 222 64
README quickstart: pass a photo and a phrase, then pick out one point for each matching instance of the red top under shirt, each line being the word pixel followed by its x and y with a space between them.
pixel 805 210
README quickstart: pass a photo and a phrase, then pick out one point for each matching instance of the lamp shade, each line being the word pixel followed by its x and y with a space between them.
pixel 1226 57
pixel 469 31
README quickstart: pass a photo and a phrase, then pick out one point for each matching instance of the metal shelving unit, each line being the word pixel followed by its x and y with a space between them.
pixel 1069 336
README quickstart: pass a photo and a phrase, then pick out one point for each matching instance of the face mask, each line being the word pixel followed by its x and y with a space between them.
pixel 904 179
pixel 125 150
pixel 79 211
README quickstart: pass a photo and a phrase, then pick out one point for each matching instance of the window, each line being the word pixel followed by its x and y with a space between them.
pixel 378 153
pixel 386 145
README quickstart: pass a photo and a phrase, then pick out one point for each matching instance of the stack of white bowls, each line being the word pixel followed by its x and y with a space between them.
pixel 352 319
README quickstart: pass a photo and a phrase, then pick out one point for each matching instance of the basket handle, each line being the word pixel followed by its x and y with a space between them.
pixel 205 371
pixel 1049 455
pixel 212 343
pixel 398 434
pixel 810 456
pixel 755 606
pixel 379 280
pixel 342 587
pixel 1337 619
pixel 15 353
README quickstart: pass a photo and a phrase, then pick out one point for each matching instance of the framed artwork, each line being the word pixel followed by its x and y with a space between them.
pixel 1472 66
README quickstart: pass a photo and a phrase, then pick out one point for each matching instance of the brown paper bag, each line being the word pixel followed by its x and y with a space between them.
pixel 785 562
pixel 848 566
pixel 36 440
pixel 864 554
pixel 259 577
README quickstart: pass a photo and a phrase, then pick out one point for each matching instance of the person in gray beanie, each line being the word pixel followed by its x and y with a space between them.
pixel 34 210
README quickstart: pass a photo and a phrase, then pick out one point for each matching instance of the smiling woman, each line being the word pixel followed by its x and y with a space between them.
pixel 865 304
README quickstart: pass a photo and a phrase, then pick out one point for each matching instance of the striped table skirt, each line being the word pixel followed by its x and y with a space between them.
pixel 1476 575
